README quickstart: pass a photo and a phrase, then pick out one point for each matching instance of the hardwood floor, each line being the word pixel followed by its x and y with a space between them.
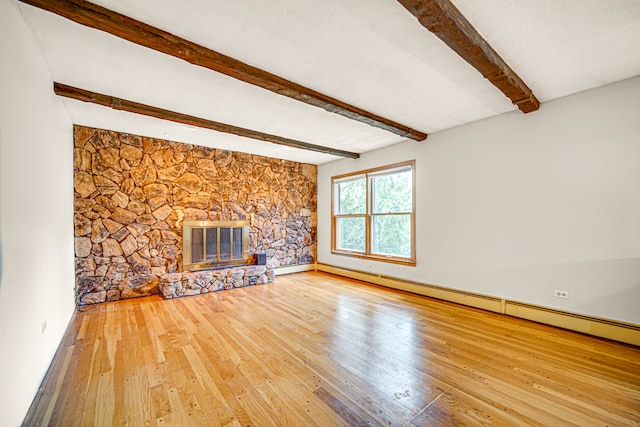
pixel 314 349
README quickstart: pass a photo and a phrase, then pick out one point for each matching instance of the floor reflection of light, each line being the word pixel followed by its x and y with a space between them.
pixel 382 340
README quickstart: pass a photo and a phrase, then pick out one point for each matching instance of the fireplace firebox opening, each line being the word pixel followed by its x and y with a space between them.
pixel 211 244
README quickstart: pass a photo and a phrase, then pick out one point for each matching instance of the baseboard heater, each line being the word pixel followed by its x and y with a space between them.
pixel 605 328
pixel 611 329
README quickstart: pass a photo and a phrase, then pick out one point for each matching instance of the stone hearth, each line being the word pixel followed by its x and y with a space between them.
pixel 174 285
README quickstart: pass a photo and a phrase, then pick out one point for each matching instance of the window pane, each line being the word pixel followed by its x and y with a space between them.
pixel 352 197
pixel 392 235
pixel 392 192
pixel 351 235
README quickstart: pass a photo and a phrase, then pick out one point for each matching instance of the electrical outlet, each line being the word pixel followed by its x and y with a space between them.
pixel 44 326
pixel 560 294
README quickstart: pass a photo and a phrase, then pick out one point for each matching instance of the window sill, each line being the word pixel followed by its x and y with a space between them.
pixel 381 258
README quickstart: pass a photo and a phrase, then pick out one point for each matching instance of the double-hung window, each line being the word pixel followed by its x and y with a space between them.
pixel 373 214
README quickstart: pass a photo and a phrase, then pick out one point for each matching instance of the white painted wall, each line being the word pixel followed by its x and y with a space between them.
pixel 36 217
pixel 517 205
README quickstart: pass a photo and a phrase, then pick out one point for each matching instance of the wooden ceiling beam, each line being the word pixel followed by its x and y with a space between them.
pixel 443 19
pixel 159 113
pixel 98 17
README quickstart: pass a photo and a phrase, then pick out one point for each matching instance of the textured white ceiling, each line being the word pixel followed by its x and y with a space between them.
pixel 370 53
pixel 560 47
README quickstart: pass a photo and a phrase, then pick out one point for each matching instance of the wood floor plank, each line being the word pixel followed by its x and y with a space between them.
pixel 135 389
pixel 317 349
pixel 52 382
pixel 206 389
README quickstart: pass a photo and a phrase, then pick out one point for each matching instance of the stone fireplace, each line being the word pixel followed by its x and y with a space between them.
pixel 134 195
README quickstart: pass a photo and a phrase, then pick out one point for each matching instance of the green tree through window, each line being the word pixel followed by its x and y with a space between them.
pixel 373 214
pixel 351 223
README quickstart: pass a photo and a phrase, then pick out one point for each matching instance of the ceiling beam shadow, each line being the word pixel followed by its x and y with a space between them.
pixel 159 113
pixel 98 17
pixel 443 19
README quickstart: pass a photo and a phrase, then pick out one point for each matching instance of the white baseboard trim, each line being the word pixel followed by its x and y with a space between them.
pixel 611 329
pixel 288 269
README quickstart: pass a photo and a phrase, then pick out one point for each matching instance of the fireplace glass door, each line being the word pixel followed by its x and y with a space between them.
pixel 209 244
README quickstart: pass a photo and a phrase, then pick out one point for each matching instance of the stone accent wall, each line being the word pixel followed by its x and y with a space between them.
pixel 132 194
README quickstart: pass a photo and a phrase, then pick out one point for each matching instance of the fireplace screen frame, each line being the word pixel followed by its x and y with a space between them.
pixel 189 262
